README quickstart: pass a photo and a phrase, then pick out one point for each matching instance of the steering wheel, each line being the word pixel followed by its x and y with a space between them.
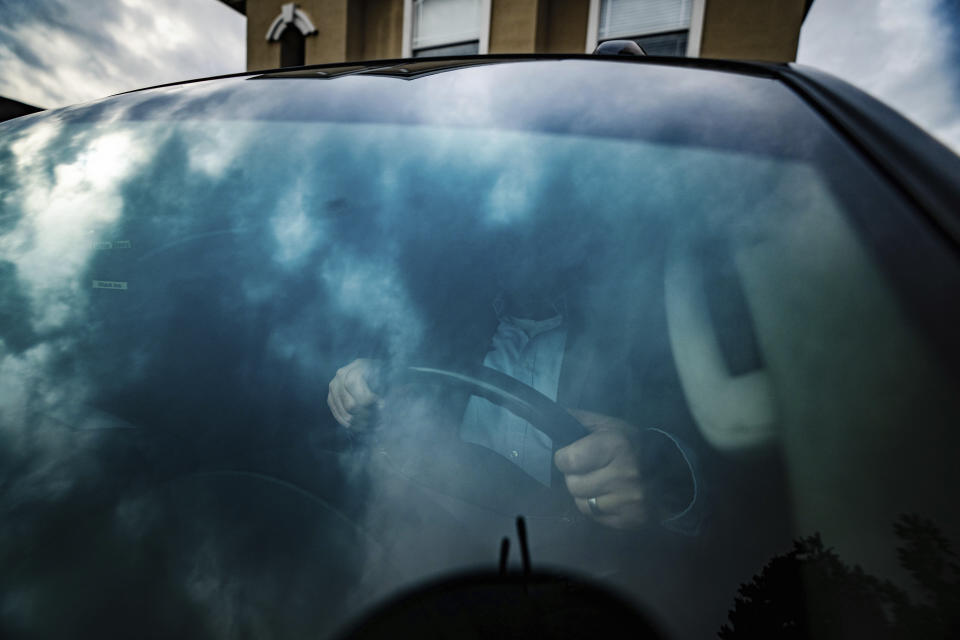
pixel 476 474
pixel 511 394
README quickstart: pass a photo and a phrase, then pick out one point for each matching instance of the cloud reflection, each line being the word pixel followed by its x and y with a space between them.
pixel 65 210
pixel 370 291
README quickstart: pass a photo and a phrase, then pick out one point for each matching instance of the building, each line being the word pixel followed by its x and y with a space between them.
pixel 282 33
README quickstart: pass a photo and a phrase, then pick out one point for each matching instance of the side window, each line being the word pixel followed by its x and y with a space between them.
pixel 446 27
pixel 661 27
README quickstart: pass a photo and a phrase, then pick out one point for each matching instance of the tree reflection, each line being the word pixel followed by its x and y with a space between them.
pixel 810 592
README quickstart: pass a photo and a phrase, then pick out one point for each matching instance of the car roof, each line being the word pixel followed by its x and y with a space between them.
pixel 422 66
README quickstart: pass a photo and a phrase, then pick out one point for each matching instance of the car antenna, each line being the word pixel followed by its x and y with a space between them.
pixel 619 48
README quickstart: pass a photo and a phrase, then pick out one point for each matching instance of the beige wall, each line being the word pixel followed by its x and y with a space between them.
pixel 538 26
pixel 566 26
pixel 260 53
pixel 355 27
pixel 514 25
pixel 752 29
pixel 382 29
pixel 330 42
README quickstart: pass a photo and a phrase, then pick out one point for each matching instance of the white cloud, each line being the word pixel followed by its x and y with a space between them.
pixel 64 210
pixel 896 50
pixel 368 289
pixel 213 150
pixel 56 53
pixel 296 233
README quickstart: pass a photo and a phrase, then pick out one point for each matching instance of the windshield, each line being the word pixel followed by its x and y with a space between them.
pixel 260 373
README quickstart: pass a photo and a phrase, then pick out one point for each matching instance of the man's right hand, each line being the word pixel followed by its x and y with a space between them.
pixel 350 398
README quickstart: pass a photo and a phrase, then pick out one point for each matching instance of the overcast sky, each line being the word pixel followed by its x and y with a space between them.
pixel 59 52
pixel 905 52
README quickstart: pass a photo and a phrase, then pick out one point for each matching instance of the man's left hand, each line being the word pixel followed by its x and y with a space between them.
pixel 605 466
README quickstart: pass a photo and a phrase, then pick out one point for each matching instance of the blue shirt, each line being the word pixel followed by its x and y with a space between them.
pixel 532 351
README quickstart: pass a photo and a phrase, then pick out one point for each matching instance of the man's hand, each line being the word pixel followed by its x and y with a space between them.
pixel 605 465
pixel 350 398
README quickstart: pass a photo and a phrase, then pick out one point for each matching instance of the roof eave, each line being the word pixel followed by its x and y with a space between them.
pixel 239 6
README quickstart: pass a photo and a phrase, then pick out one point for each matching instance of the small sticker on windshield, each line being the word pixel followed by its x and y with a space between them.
pixel 106 245
pixel 109 284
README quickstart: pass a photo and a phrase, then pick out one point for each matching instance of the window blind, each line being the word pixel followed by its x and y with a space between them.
pixel 437 22
pixel 638 17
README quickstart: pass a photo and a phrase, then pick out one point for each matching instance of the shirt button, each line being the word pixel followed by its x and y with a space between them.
pixel 515 453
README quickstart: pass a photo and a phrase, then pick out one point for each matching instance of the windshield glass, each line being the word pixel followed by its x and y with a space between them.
pixel 259 374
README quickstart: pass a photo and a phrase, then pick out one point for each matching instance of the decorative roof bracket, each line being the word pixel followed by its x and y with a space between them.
pixel 290 15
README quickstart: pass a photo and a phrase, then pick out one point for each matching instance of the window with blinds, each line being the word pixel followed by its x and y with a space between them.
pixel 664 44
pixel 440 23
pixel 632 18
